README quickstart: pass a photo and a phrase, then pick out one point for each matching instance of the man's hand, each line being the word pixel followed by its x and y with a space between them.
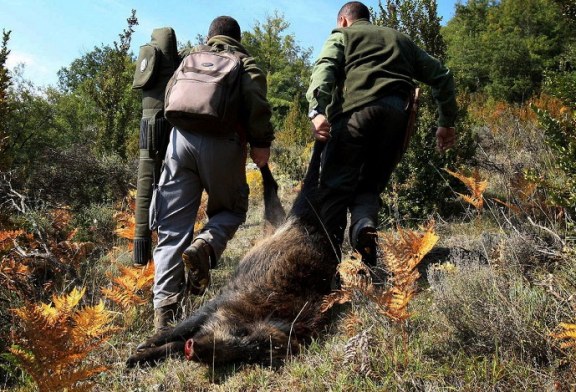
pixel 260 155
pixel 321 128
pixel 445 138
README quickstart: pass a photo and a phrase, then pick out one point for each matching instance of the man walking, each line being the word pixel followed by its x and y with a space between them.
pixel 212 160
pixel 360 93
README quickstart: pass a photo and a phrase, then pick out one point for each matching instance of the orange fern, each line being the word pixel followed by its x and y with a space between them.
pixel 568 335
pixel 475 184
pixel 131 287
pixel 53 341
pixel 125 219
pixel 402 254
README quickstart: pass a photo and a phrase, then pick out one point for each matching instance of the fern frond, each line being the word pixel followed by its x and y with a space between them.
pixel 352 323
pixel 65 303
pixel 475 184
pixel 126 231
pixel 201 215
pixel 129 288
pixel 11 268
pixel 54 339
pixel 7 238
pixel 568 334
pixel 61 218
pixel 92 322
pixel 336 297
pixel 356 352
pixel 402 254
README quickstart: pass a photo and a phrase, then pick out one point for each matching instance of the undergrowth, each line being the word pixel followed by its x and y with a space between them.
pixel 492 306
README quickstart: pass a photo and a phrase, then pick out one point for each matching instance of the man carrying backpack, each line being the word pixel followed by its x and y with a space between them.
pixel 210 158
pixel 360 96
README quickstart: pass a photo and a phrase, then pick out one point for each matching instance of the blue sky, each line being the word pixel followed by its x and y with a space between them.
pixel 49 34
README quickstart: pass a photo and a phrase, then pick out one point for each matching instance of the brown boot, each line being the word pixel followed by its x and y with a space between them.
pixel 164 316
pixel 196 260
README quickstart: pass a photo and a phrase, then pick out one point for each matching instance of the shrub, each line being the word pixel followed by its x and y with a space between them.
pixel 490 312
pixel 417 187
pixel 78 177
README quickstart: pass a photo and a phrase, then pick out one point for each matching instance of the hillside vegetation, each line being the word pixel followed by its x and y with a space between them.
pixel 478 246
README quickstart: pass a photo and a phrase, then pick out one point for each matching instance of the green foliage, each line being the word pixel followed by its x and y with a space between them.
pixel 504 47
pixel 95 223
pixel 568 9
pixel 465 36
pixel 417 188
pixel 290 147
pixel 78 176
pixel 4 103
pixel 287 68
pixel 561 137
pixel 418 19
pixel 29 127
pixel 286 65
pixel 560 132
pixel 103 78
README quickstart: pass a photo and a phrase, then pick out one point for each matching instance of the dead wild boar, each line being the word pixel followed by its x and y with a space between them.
pixel 270 305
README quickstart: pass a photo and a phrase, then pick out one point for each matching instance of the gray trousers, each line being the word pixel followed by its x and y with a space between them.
pixel 193 163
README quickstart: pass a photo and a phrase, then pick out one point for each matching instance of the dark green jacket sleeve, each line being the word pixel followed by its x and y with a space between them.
pixel 431 71
pixel 256 109
pixel 327 69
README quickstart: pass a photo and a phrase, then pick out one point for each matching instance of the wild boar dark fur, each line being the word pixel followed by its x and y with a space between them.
pixel 272 302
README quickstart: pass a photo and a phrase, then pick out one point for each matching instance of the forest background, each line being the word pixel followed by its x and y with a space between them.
pixel 494 309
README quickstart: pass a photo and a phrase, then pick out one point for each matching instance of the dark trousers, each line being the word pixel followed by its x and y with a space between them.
pixel 357 162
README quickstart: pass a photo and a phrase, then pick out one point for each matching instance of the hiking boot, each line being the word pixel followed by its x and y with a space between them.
pixel 196 260
pixel 366 245
pixel 164 316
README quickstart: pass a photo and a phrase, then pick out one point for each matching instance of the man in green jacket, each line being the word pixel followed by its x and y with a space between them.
pixel 360 93
pixel 211 160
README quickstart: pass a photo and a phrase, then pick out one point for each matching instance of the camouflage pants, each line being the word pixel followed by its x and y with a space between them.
pixel 358 160
pixel 195 163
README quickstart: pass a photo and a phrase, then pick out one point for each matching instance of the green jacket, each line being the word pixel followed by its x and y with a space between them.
pixel 256 111
pixel 363 62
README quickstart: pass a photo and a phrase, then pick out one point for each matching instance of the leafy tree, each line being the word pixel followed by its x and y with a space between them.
pixel 4 85
pixel 568 9
pixel 560 125
pixel 418 19
pixel 28 127
pixel 466 49
pixel 286 65
pixel 417 187
pixel 104 77
pixel 504 47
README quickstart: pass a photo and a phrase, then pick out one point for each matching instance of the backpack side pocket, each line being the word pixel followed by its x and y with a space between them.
pixel 146 67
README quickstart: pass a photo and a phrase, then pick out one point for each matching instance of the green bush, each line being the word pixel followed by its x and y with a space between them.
pixel 418 186
pixel 79 177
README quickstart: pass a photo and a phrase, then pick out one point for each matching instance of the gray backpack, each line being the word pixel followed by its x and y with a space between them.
pixel 203 95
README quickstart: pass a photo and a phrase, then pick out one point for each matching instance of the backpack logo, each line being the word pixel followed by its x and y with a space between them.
pixel 203 95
